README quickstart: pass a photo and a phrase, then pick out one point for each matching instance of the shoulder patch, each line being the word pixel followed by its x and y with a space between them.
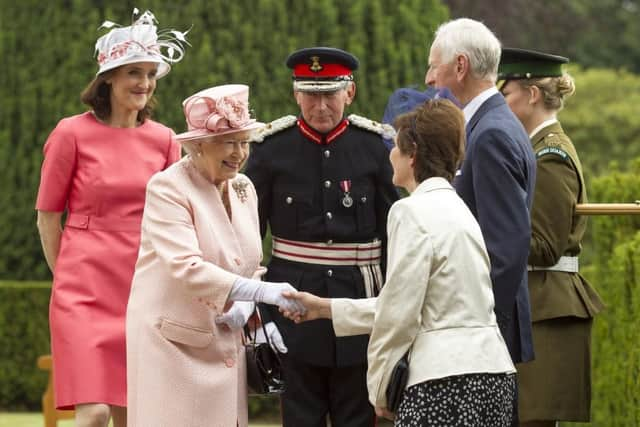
pixel 553 150
pixel 387 131
pixel 274 127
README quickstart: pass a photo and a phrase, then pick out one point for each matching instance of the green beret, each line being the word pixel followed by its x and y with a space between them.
pixel 526 64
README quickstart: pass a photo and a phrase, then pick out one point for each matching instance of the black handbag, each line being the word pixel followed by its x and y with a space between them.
pixel 397 383
pixel 264 367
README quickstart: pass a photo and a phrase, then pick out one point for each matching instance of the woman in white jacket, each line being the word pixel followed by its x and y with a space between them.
pixel 437 300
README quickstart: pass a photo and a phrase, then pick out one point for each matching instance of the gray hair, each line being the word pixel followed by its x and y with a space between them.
pixel 473 39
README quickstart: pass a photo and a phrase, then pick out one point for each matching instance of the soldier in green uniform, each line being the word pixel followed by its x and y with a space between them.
pixel 556 386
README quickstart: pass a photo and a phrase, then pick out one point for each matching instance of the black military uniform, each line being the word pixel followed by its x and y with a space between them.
pixel 325 198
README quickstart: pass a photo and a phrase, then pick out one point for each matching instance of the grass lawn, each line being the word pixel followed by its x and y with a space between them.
pixel 35 419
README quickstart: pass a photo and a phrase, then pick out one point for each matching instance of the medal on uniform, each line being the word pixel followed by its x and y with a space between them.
pixel 347 201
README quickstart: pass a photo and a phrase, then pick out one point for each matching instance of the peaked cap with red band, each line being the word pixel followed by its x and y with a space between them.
pixel 321 69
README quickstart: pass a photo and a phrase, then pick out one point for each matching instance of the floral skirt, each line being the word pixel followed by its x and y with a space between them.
pixel 472 400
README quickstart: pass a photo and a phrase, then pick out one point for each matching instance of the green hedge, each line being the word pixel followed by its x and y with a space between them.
pixel 613 251
pixel 47 47
pixel 24 335
pixel 616 365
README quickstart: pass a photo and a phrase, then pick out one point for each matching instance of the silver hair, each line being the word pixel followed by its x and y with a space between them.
pixel 191 147
pixel 474 40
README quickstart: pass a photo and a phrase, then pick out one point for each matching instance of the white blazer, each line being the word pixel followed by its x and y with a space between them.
pixel 437 298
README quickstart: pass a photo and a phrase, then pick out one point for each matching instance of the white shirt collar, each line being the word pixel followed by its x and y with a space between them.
pixel 470 109
pixel 542 126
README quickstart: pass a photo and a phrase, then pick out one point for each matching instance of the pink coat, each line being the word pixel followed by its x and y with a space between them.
pixel 182 368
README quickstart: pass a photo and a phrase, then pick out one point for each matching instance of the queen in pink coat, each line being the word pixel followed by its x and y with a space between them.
pixel 196 278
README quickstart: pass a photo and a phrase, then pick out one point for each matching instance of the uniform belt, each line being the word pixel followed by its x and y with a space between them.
pixel 321 253
pixel 92 222
pixel 567 264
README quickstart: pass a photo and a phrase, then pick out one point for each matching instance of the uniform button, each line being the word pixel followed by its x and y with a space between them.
pixel 289 200
pixel 329 215
pixel 327 153
pixel 327 184
pixel 364 199
pixel 229 362
pixel 329 273
pixel 329 242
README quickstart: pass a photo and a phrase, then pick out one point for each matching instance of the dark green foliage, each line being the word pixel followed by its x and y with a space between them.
pixel 601 118
pixel 614 270
pixel 47 50
pixel 594 33
pixel 24 335
pixel 616 362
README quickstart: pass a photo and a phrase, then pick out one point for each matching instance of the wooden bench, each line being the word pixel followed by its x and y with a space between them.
pixel 51 414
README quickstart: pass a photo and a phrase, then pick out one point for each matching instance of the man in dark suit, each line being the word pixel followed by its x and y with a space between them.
pixel 497 177
pixel 324 187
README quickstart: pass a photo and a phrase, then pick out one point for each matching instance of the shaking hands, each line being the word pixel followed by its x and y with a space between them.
pixel 315 307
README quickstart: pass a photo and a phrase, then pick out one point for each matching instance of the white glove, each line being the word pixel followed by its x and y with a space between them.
pixel 237 315
pixel 275 339
pixel 244 289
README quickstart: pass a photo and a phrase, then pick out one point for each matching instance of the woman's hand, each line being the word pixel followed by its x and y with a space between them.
pixel 236 317
pixel 50 233
pixel 244 289
pixel 316 307
pixel 275 338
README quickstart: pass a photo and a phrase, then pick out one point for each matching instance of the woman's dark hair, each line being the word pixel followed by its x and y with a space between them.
pixel 434 134
pixel 97 95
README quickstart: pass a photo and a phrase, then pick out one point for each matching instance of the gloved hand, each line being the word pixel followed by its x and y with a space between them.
pixel 275 339
pixel 237 315
pixel 244 289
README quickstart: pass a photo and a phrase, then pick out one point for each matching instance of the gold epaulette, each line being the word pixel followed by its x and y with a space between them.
pixel 387 131
pixel 274 127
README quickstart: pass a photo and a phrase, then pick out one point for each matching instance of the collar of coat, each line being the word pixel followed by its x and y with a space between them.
pixel 320 138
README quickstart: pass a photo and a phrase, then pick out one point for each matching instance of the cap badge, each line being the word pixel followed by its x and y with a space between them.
pixel 316 67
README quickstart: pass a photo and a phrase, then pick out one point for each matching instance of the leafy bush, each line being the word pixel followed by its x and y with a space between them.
pixel 614 270
pixel 47 52
pixel 24 335
pixel 602 119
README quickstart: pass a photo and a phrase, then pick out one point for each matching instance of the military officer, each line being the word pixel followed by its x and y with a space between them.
pixel 557 384
pixel 324 189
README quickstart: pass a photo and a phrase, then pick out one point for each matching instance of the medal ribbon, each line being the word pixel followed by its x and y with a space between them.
pixel 345 185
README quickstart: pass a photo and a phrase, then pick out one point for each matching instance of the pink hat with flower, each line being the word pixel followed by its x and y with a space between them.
pixel 218 110
pixel 139 42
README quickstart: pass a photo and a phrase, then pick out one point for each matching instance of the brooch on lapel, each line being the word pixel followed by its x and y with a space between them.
pixel 240 187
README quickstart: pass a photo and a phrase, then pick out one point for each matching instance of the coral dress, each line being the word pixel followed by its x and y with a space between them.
pixel 97 174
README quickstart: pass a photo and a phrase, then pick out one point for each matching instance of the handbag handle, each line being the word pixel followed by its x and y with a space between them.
pixel 247 332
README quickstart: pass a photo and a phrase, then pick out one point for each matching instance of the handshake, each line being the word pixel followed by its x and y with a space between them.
pixel 272 293
pixel 296 306
pixel 246 292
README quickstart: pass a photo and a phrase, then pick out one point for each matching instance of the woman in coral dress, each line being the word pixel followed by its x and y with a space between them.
pixel 96 167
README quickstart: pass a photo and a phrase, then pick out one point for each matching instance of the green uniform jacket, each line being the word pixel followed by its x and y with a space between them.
pixel 557 231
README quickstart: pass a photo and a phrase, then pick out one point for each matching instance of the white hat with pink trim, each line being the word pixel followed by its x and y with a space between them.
pixel 139 42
